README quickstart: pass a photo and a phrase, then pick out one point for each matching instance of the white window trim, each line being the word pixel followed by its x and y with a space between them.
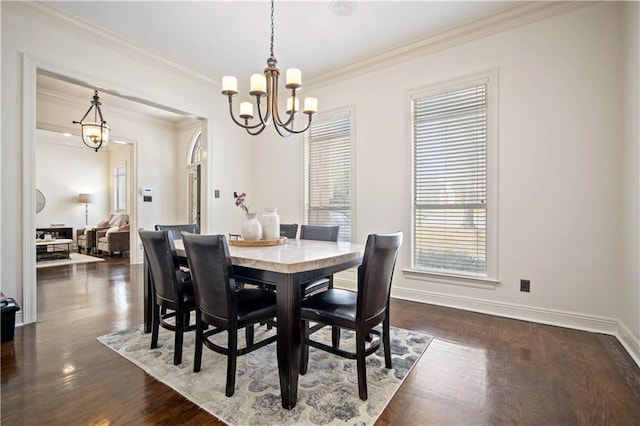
pixel 114 193
pixel 491 281
pixel 192 146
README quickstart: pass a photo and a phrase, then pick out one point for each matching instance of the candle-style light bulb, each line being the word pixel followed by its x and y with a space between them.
pixel 310 105
pixel 246 110
pixel 229 85
pixel 294 78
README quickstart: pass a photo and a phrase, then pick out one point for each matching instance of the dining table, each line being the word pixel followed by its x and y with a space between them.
pixel 286 266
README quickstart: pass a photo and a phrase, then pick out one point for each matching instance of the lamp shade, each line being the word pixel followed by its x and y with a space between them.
pixel 86 198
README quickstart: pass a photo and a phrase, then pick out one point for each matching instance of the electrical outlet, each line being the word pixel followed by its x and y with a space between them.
pixel 525 285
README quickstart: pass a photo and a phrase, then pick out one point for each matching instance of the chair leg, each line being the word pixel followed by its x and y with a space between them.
pixel 361 364
pixel 155 326
pixel 232 349
pixel 386 341
pixel 177 346
pixel 197 357
pixel 304 347
pixel 335 337
pixel 249 334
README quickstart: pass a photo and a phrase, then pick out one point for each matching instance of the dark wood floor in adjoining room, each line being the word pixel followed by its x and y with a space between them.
pixel 479 369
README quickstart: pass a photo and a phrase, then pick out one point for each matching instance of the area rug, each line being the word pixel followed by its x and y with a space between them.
pixel 327 394
pixel 76 259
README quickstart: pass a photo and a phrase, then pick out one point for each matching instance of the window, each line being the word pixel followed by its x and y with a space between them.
pixel 193 180
pixel 452 226
pixel 328 171
pixel 120 188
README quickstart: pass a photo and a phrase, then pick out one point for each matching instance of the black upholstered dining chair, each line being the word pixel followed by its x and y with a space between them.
pixel 174 233
pixel 172 289
pixel 221 304
pixel 360 311
pixel 175 230
pixel 289 230
pixel 319 233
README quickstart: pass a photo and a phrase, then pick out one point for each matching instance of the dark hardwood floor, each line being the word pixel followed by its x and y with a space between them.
pixel 478 370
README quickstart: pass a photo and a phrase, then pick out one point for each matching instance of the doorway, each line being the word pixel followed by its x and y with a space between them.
pixel 31 71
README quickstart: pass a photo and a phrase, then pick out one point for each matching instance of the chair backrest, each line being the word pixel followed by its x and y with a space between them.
pixel 289 230
pixel 175 230
pixel 212 273
pixel 163 262
pixel 375 274
pixel 319 232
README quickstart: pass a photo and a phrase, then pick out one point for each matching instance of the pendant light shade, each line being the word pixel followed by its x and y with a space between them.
pixel 95 134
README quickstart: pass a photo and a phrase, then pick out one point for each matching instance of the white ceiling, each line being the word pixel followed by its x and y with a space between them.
pixel 217 38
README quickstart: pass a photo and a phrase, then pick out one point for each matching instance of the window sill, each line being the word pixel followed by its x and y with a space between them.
pixel 485 283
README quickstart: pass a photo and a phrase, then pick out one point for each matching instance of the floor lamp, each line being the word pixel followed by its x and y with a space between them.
pixel 86 199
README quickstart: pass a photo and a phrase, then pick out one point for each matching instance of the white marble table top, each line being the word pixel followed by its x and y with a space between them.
pixel 53 242
pixel 292 257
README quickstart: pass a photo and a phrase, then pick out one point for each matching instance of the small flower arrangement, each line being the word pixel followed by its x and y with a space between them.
pixel 240 202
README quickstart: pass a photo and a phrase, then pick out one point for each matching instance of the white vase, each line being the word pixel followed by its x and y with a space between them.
pixel 270 224
pixel 251 228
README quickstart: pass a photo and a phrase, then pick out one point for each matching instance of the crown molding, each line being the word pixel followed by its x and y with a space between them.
pixel 56 17
pixel 515 16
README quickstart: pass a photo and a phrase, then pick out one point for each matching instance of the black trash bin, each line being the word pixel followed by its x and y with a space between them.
pixel 8 309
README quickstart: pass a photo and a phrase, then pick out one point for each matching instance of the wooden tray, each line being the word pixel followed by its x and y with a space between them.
pixel 258 243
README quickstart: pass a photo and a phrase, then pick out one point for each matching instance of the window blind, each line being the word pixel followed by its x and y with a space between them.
pixel 328 167
pixel 449 132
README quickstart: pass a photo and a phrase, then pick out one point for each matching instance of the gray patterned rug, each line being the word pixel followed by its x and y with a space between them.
pixel 327 394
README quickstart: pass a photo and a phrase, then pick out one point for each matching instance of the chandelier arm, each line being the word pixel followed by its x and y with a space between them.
pixel 84 116
pixel 244 126
pixel 274 105
pixel 257 132
pixel 291 130
pixel 263 120
pixel 100 114
pixel 280 132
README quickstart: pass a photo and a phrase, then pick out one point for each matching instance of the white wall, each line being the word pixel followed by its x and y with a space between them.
pixel 63 172
pixel 33 31
pixel 560 154
pixel 631 176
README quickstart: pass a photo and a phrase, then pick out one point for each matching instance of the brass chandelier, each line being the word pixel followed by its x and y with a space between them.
pixel 95 134
pixel 267 86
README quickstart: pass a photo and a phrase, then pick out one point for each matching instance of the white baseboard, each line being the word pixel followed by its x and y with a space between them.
pixel 630 343
pixel 559 318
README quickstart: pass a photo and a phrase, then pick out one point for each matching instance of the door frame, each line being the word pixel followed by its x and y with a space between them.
pixel 30 68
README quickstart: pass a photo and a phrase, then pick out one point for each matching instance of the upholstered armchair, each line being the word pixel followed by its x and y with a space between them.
pixel 112 241
pixel 87 238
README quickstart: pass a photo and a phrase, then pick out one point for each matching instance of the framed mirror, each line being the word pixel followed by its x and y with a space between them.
pixel 40 201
